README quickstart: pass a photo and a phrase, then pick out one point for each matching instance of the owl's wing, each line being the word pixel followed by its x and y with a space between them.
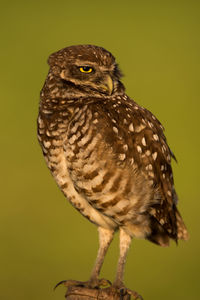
pixel 156 153
pixel 147 146
pixel 108 135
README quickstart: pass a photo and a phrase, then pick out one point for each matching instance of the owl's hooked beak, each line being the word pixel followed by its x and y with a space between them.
pixel 107 84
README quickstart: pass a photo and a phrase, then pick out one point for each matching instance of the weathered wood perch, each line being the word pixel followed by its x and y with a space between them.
pixel 83 293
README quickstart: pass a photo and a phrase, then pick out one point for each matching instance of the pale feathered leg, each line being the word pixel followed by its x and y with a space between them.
pixel 105 238
pixel 124 244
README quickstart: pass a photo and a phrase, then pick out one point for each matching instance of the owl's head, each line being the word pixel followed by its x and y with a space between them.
pixel 88 68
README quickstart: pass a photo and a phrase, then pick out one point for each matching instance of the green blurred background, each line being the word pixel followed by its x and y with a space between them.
pixel 44 239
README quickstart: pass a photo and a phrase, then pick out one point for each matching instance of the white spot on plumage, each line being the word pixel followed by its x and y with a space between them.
pixel 139 149
pixel 162 222
pixel 46 111
pixel 131 128
pixel 55 151
pixel 41 131
pixel 144 141
pixel 125 147
pixel 122 156
pixel 115 129
pixel 163 148
pixel 154 155
pixel 45 151
pixel 150 124
pixel 155 136
pixel 150 167
pixel 63 101
pixel 48 133
pixel 57 142
pixel 55 133
pixel 47 144
pixel 41 123
pixel 95 121
pixel 151 174
pixel 139 128
pixel 169 193
pixel 148 153
pixel 65 113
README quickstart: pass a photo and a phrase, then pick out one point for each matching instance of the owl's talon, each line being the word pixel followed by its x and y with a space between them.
pixel 59 283
pixel 97 283
pixel 68 283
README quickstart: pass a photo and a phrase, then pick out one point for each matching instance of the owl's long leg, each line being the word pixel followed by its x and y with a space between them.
pixel 124 244
pixel 105 238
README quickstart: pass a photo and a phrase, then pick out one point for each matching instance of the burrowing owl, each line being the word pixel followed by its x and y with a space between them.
pixel 108 155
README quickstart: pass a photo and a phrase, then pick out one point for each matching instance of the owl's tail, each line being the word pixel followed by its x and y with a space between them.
pixel 161 237
pixel 182 233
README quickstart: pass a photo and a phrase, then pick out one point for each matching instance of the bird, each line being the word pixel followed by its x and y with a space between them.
pixel 108 155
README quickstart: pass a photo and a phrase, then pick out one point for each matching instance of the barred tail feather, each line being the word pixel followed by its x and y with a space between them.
pixel 182 233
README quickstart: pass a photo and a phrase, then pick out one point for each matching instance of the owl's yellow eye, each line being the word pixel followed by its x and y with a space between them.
pixel 85 69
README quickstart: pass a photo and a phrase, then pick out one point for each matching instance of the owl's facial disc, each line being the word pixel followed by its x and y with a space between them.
pixel 89 77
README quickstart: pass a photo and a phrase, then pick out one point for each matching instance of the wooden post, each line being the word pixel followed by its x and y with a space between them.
pixel 83 293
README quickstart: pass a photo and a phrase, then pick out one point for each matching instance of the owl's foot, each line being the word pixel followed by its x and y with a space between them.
pixel 123 291
pixel 98 283
pixel 93 283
